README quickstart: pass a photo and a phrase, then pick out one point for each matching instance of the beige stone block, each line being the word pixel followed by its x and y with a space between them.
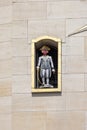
pixel 85 82
pixel 48 27
pixel 5 122
pixel 25 102
pixel 75 46
pixel 29 120
pixel 65 120
pixel 85 66
pixel 5 105
pixel 63 9
pixel 5 68
pixel 21 47
pixel 75 64
pixel 5 87
pixel 5 32
pixel 30 10
pixel 73 82
pixel 76 101
pixel 73 25
pixel 5 12
pixel 30 62
pixel 63 64
pixel 54 102
pixel 21 102
pixel 21 84
pixel 5 3
pixel 86 120
pixel 85 47
pixel 20 65
pixel 5 50
pixel 19 29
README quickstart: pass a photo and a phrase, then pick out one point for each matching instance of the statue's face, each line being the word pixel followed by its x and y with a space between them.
pixel 44 52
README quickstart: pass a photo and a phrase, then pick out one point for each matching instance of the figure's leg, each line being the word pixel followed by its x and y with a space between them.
pixel 47 76
pixel 43 76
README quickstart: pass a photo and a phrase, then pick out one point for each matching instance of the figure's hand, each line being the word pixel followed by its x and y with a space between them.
pixel 53 70
pixel 38 68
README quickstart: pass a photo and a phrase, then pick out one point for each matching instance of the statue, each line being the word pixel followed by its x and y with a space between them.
pixel 46 67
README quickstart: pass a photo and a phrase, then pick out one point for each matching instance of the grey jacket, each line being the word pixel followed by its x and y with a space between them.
pixel 45 62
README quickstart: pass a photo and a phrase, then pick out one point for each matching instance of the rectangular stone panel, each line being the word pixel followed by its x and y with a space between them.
pixel 5 50
pixel 19 29
pixel 73 25
pixel 75 64
pixel 85 47
pixel 20 65
pixel 29 120
pixel 5 12
pixel 25 102
pixel 63 9
pixel 5 32
pixel 5 2
pixel 30 10
pixel 21 84
pixel 85 82
pixel 5 105
pixel 46 27
pixel 5 86
pixel 65 120
pixel 5 122
pixel 73 82
pixel 5 68
pixel 75 46
pixel 76 101
pixel 20 47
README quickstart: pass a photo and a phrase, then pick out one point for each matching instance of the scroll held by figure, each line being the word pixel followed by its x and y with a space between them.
pixel 45 67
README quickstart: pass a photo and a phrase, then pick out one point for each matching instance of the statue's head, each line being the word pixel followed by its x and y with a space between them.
pixel 45 50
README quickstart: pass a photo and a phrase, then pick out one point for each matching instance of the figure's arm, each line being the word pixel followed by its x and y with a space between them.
pixel 52 65
pixel 39 62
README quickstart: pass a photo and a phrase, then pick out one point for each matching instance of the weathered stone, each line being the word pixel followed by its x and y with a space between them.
pixel 73 82
pixel 21 84
pixel 76 101
pixel 30 10
pixel 63 9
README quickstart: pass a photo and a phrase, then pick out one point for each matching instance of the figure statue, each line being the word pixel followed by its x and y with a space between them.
pixel 45 66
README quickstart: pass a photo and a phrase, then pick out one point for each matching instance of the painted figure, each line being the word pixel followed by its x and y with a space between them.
pixel 46 66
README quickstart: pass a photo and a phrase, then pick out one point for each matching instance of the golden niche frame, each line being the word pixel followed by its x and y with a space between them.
pixel 35 42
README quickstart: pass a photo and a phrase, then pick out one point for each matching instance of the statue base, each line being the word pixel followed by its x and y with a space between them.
pixel 46 86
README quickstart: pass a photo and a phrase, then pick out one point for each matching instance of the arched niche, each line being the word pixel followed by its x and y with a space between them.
pixel 55 53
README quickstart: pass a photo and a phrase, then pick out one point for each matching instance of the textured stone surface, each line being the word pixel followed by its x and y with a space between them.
pixel 5 50
pixel 30 10
pixel 21 84
pixel 5 87
pixel 5 68
pixel 5 12
pixel 5 121
pixel 75 82
pixel 19 29
pixel 20 47
pixel 76 101
pixel 75 64
pixel 73 25
pixel 66 10
pixel 46 27
pixel 65 120
pixel 20 65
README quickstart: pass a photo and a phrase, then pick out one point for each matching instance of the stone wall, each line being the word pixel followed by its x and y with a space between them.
pixel 20 22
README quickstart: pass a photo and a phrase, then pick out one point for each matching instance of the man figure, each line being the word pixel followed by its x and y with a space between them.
pixel 45 64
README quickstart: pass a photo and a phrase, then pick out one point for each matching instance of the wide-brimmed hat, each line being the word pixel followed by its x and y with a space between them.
pixel 45 48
